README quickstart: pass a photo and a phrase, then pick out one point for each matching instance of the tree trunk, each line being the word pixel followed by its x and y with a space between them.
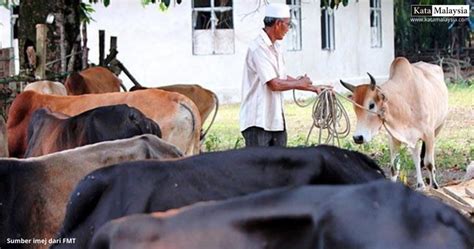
pixel 33 12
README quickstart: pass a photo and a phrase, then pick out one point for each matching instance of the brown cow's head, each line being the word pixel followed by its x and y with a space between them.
pixel 371 98
pixel 75 84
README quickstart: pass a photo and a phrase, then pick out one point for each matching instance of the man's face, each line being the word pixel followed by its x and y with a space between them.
pixel 283 26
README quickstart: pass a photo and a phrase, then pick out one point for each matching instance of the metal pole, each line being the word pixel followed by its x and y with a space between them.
pixel 101 47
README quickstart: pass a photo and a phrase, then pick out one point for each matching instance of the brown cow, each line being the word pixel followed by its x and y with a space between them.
pixel 35 191
pixel 47 87
pixel 92 80
pixel 177 116
pixel 204 99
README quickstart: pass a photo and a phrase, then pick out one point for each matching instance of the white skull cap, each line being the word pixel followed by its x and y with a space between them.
pixel 277 10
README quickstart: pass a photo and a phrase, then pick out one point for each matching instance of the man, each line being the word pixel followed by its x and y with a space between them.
pixel 262 121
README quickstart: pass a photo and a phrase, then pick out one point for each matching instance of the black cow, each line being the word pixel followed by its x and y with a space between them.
pixel 377 215
pixel 149 186
pixel 50 132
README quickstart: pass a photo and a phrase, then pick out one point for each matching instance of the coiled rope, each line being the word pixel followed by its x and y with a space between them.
pixel 329 114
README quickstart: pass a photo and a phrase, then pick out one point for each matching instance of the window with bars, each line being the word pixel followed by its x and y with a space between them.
pixel 328 39
pixel 293 38
pixel 375 23
pixel 213 27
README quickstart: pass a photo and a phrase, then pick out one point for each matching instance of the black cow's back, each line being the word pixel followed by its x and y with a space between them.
pixel 117 122
pixel 378 215
pixel 390 216
pixel 47 133
pixel 148 186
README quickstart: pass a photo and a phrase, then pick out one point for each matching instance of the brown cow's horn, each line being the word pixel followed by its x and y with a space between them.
pixel 348 86
pixel 372 81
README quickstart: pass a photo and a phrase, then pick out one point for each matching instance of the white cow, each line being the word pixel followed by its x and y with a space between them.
pixel 412 104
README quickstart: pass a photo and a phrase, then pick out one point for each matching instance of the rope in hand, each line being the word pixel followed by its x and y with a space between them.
pixel 328 114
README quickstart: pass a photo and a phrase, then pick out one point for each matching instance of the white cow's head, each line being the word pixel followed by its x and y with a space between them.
pixel 369 120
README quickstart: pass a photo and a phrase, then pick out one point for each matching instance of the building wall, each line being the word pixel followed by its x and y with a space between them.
pixel 5 36
pixel 353 55
pixel 4 28
pixel 156 46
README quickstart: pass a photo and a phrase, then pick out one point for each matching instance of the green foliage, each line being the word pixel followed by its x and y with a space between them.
pixel 85 13
pixel 239 143
pixel 163 6
pixel 211 142
pixel 105 2
pixel 146 2
pixel 461 82
pixel 299 140
pixel 334 3
pixel 7 3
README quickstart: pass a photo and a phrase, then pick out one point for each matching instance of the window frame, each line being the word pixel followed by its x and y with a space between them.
pixel 375 15
pixel 328 26
pixel 213 9
pixel 294 38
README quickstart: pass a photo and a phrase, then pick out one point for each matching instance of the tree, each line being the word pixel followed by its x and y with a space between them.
pixel 62 34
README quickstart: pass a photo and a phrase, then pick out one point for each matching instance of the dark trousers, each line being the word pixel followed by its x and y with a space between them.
pixel 256 136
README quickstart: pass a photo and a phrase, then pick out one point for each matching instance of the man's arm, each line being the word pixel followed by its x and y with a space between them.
pixel 302 83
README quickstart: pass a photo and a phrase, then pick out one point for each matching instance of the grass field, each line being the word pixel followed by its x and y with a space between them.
pixel 454 147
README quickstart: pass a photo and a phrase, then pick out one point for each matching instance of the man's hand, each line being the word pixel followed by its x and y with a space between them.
pixel 318 89
pixel 305 82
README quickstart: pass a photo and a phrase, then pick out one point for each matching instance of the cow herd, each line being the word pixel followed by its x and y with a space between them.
pixel 92 167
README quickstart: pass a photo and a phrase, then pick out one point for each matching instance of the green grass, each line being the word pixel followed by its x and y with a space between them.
pixel 454 146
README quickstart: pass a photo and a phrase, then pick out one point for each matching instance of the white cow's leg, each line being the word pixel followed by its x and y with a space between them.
pixel 415 154
pixel 394 153
pixel 429 161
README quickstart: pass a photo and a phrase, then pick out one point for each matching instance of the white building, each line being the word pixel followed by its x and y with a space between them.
pixel 186 44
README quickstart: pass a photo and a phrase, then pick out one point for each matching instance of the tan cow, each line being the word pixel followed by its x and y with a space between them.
pixel 36 190
pixel 204 99
pixel 92 80
pixel 177 116
pixel 412 105
pixel 47 87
